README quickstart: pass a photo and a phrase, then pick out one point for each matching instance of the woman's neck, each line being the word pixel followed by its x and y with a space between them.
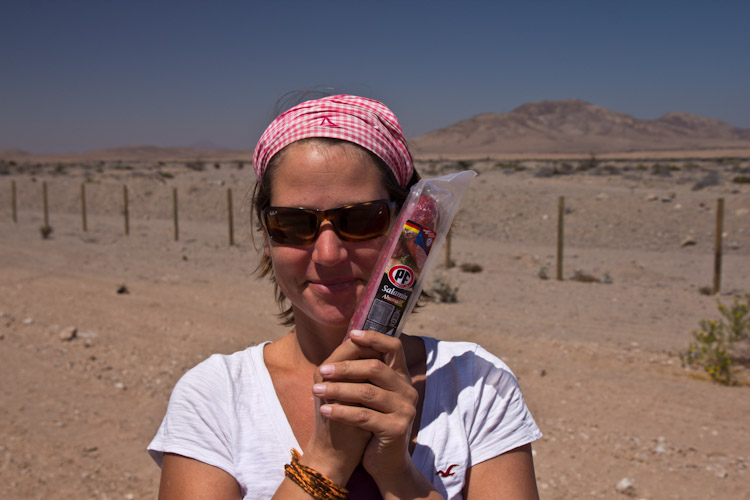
pixel 316 342
pixel 309 343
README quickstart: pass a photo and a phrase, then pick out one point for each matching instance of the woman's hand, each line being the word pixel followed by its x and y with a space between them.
pixel 366 385
pixel 335 448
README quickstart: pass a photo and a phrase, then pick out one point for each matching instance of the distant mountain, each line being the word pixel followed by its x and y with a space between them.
pixel 206 145
pixel 13 152
pixel 134 153
pixel 576 126
pixel 570 126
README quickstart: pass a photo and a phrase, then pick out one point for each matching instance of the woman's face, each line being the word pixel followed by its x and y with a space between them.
pixel 325 279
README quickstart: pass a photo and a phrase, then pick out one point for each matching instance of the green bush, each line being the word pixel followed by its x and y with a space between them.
pixel 508 166
pixel 198 166
pixel 738 318
pixel 588 164
pixel 468 267
pixel 714 341
pixel 442 291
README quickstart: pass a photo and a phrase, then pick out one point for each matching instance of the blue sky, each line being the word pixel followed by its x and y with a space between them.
pixel 79 75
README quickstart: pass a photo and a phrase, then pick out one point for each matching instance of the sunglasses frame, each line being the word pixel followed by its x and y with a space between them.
pixel 331 215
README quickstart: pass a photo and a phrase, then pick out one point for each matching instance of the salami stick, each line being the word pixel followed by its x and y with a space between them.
pixel 409 251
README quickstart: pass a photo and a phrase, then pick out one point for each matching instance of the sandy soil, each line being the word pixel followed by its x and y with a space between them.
pixel 598 362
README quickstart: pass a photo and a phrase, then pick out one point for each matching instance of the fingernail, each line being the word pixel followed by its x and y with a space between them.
pixel 357 333
pixel 319 389
pixel 326 370
pixel 325 410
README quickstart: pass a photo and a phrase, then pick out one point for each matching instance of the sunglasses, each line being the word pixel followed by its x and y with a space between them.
pixel 300 226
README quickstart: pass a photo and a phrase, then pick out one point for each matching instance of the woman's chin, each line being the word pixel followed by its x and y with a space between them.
pixel 333 309
pixel 327 316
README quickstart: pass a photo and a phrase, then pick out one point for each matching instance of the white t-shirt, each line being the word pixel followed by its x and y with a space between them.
pixel 225 412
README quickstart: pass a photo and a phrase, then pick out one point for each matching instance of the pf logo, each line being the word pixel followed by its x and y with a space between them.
pixel 401 276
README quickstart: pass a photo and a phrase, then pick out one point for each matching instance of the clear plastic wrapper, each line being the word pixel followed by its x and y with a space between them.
pixel 409 253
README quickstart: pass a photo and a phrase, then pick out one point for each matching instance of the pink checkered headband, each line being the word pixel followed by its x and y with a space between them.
pixel 363 121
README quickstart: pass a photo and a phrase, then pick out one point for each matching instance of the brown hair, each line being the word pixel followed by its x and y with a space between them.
pixel 261 199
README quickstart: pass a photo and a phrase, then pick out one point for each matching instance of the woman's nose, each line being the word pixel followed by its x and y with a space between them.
pixel 329 249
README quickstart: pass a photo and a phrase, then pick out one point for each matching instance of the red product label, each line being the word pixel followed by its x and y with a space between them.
pixel 401 276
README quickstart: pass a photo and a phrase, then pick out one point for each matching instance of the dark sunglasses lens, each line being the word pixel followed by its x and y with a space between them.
pixel 363 222
pixel 291 226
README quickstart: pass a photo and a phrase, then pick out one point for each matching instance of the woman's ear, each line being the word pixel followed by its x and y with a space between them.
pixel 266 246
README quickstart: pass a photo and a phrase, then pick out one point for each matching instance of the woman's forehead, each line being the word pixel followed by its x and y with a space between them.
pixel 314 173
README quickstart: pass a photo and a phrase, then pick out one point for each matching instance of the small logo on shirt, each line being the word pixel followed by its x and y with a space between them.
pixel 447 472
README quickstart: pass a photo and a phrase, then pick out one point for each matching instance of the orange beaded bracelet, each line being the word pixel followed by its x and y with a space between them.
pixel 313 482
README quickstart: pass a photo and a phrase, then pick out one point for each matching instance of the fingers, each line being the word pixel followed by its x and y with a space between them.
pixel 378 411
pixel 364 345
pixel 404 399
pixel 349 350
pixel 389 347
pixel 374 371
pixel 365 381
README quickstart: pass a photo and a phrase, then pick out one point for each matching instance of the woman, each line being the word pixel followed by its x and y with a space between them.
pixel 408 417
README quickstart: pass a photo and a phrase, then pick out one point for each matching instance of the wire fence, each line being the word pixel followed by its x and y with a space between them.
pixel 144 200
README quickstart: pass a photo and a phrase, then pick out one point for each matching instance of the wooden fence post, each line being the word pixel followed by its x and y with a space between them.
pixel 230 217
pixel 560 216
pixel 83 206
pixel 13 201
pixel 125 209
pixel 44 204
pixel 174 211
pixel 717 254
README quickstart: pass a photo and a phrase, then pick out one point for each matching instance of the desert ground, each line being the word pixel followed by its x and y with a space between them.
pixel 598 360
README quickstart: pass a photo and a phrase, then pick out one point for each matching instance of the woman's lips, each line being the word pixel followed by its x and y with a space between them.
pixel 334 286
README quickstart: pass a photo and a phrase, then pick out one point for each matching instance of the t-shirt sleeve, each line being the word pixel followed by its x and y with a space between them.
pixel 198 422
pixel 501 420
